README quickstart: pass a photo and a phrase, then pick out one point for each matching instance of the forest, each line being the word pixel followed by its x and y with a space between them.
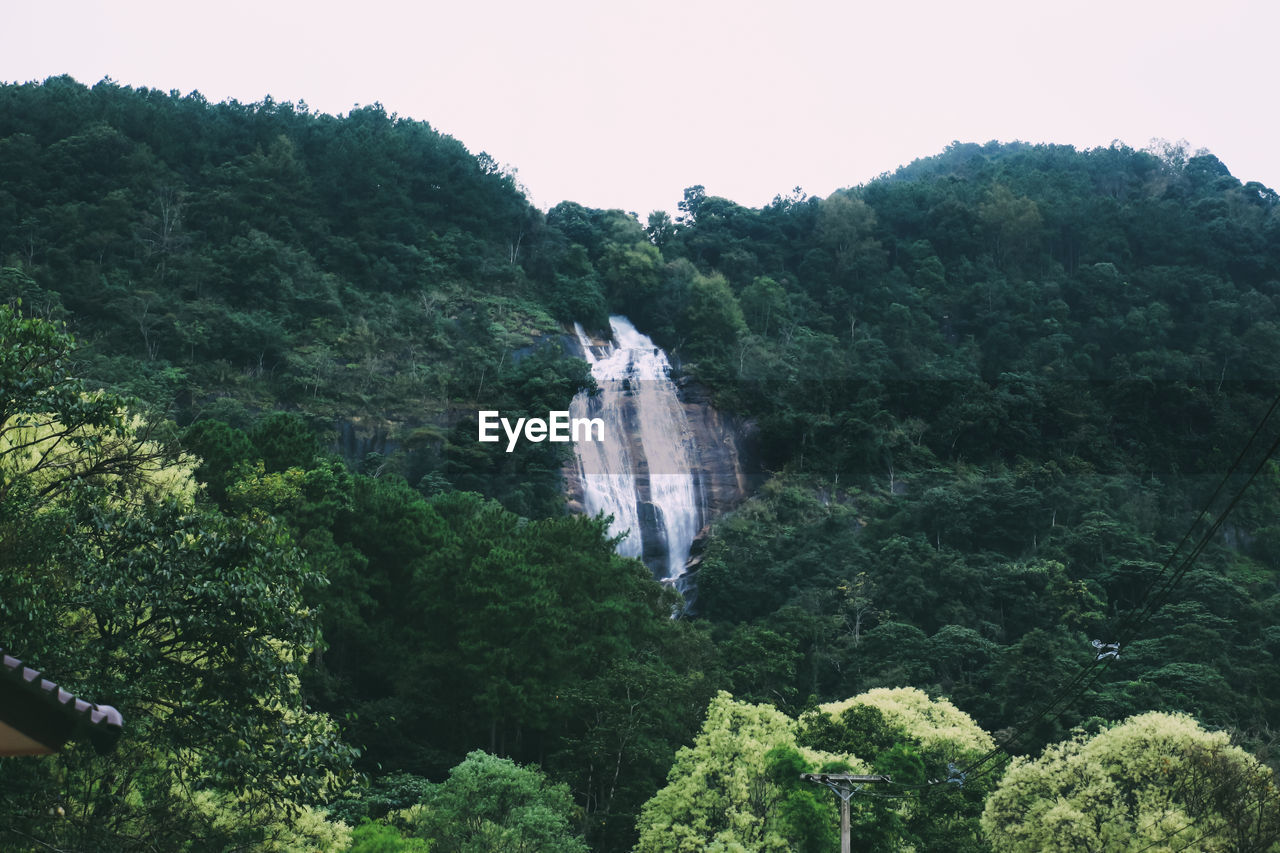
pixel 1004 401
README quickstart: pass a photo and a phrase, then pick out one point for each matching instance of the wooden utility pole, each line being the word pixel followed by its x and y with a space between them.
pixel 845 786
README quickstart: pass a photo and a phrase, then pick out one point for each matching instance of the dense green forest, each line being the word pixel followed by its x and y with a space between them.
pixel 242 351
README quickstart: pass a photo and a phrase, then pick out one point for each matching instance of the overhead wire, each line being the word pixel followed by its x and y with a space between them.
pixel 1272 793
pixel 1154 597
pixel 1151 602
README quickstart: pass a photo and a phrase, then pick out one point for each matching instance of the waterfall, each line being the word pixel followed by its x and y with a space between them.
pixel 643 472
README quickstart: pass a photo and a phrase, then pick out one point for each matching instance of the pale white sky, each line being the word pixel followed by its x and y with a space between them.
pixel 623 104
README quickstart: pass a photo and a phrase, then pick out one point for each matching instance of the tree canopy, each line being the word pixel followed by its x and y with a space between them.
pixel 192 623
pixel 738 786
pixel 1154 782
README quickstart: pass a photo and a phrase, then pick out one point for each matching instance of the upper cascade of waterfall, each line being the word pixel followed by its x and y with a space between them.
pixel 643 473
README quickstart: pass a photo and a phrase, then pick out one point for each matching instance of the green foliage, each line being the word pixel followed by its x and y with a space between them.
pixel 283 440
pixel 804 814
pixel 490 803
pixel 991 389
pixel 280 258
pixel 527 480
pixel 728 790
pixel 379 838
pixel 1156 781
pixel 618 749
pixel 712 318
pixel 904 734
pixel 222 450
pixel 451 624
pixel 193 624
pixel 533 609
pixel 739 787
pixel 376 798
pixel 44 406
pixel 764 664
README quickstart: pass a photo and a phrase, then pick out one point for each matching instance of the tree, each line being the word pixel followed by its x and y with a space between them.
pixel 660 228
pixel 1155 781
pixel 490 803
pixel 911 738
pixel 935 724
pixel 845 227
pixel 631 275
pixel 628 725
pixel 1013 225
pixel 712 318
pixel 725 792
pixel 693 199
pixel 764 305
pixel 54 433
pixel 283 440
pixel 737 786
pixel 191 623
pixel 224 454
pixel 379 838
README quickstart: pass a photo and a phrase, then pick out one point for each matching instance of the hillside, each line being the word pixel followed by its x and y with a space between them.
pixel 991 392
pixel 1001 383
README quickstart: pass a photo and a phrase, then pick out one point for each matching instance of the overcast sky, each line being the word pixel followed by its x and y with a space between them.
pixel 621 104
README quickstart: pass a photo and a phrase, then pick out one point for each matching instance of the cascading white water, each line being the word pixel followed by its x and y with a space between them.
pixel 605 467
pixel 643 472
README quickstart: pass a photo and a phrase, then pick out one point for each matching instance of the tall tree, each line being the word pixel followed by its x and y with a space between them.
pixel 1156 781
pixel 191 623
pixel 490 803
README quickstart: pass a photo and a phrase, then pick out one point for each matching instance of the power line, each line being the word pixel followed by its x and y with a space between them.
pixel 1271 794
pixel 1151 602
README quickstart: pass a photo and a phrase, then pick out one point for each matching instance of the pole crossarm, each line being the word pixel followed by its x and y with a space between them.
pixel 843 781
pixel 845 785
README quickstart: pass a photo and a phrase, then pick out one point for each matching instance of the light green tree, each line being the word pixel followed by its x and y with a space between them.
pixel 1157 782
pixel 1013 224
pixel 372 837
pixel 738 787
pixel 55 433
pixel 721 793
pixel 904 734
pixel 935 724
pixel 845 227
pixel 712 317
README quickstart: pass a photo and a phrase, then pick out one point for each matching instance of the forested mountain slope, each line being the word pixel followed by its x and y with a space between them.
pixel 242 279
pixel 1000 383
pixel 224 260
pixel 991 391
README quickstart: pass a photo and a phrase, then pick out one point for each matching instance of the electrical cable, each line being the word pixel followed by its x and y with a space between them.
pixel 1151 602
pixel 1196 822
pixel 1272 793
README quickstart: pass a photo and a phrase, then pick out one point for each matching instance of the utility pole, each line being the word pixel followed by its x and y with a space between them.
pixel 845 786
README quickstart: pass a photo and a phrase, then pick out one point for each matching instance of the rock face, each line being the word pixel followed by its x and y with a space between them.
pixel 669 462
pixel 722 452
pixel 359 437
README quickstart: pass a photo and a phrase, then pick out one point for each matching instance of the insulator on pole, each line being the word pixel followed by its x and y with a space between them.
pixel 1106 650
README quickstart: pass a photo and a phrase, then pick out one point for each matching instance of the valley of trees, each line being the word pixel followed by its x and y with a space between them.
pixel 241 351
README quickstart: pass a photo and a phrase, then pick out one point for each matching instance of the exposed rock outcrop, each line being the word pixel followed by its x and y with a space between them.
pixel 722 443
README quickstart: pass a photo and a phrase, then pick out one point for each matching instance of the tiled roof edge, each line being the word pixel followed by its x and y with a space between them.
pixel 102 723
